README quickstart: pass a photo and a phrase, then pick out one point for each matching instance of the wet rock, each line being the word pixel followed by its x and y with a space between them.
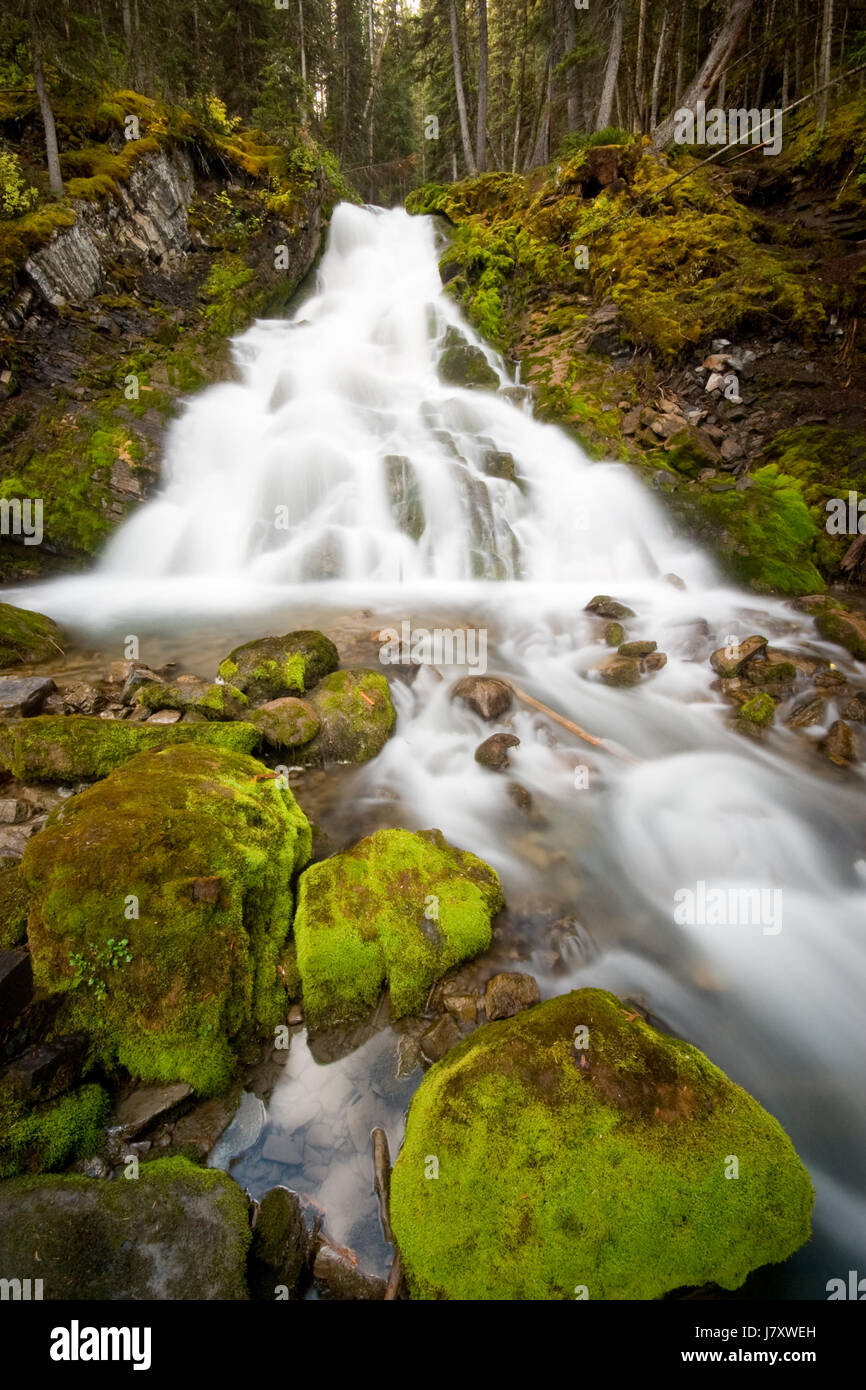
pixel 139 678
pixel 620 671
pixel 654 662
pixel 164 716
pixel 808 712
pixel 756 715
pixel 631 422
pixel 637 649
pixel 23 696
pixel 283 1250
pixel 838 623
pixel 507 993
pixel 462 364
pixel 247 1124
pixel 730 660
pixel 614 634
pixel 144 1106
pixel 521 797
pixel 199 1129
pixel 665 426
pixel 850 709
pixel 493 752
pixel 337 1268
pixel 16 985
pixel 606 607
pixel 272 667
pixel 461 1005
pixel 487 695
pixel 499 465
pixel 439 1038
pixel 14 811
pixel 404 495
pixel 356 719
pixel 27 637
pixel 286 723
pixel 178 1232
pixel 191 695
pixel 836 682
pixel 80 747
pixel 13 905
pixel 46 1069
pixel 841 745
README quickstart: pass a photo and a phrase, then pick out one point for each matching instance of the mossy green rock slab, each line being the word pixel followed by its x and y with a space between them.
pixel 356 718
pixel 216 701
pixel 399 908
pixel 177 1232
pixel 202 845
pixel 81 747
pixel 45 1137
pixel 27 637
pixel 597 1160
pixel 274 666
pixel 13 908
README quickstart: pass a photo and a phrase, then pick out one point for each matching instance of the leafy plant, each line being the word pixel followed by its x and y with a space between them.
pixel 90 968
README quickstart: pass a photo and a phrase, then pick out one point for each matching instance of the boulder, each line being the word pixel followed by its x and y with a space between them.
pixel 83 748
pixel 215 700
pixel 16 985
pixel 202 845
pixel 178 1232
pixel 41 1137
pixel 730 660
pixel 756 714
pixel 21 696
pixel 461 364
pixel 275 666
pixel 637 649
pixel 841 745
pixel 286 723
pixel 493 752
pixel 507 993
pixel 595 1160
pixel 13 907
pixel 284 1245
pixel 487 695
pixel 144 1106
pixel 398 909
pixel 356 718
pixel 620 671
pixel 606 607
pixel 27 638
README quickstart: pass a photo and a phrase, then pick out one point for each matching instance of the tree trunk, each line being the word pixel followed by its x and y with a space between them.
pixel 517 118
pixel 824 66
pixel 572 113
pixel 614 53
pixel 481 122
pixel 657 72
pixel 458 87
pixel 638 70
pixel 52 154
pixel 704 83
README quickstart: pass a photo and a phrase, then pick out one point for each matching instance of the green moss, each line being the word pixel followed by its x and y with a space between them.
pixel 204 845
pixel 272 667
pixel 79 747
pixel 286 723
pixel 217 701
pixel 609 1175
pixel 52 1135
pixel 27 637
pixel 838 623
pixel 13 908
pixel 356 718
pixel 397 909
pixel 759 711
pixel 465 365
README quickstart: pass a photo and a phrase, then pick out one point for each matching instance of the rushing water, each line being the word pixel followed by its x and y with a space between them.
pixel 281 507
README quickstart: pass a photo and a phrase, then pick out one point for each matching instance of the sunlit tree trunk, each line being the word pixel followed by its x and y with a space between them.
pixel 706 80
pixel 458 87
pixel 614 54
pixel 481 121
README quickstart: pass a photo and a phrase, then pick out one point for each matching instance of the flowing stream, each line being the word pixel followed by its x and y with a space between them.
pixel 340 483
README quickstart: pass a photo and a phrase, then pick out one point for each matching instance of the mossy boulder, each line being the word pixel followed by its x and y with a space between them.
pixel 756 714
pixel 461 364
pixel 398 909
pixel 177 1232
pixel 161 899
pixel 214 701
pixel 286 723
pixel 49 1136
pixel 82 748
pixel 13 908
pixel 596 1160
pixel 838 623
pixel 275 666
pixel 27 638
pixel 356 718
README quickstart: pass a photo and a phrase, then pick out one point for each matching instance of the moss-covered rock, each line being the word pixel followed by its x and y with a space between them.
pixel 839 623
pixel 80 747
pixel 49 1136
pixel 465 365
pixel 756 714
pixel 275 666
pixel 356 716
pixel 214 701
pixel 13 908
pixel 27 637
pixel 599 1160
pixel 177 1232
pixel 286 723
pixel 161 899
pixel 397 909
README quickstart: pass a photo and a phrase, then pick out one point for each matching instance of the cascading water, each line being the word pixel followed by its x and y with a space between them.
pixel 339 474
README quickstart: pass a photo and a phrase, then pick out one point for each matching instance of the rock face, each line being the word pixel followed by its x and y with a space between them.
pixel 595 1158
pixel 160 902
pixel 178 1232
pixel 82 748
pixel 27 637
pixel 397 909
pixel 272 667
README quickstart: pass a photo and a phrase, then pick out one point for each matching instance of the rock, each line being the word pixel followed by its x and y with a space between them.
pixel 614 634
pixel 558 1162
pixel 41 1136
pixel 177 1232
pixel 462 1006
pixel 620 671
pixel 439 1038
pixel 631 422
pixel 13 907
pixel 506 994
pixel 337 1268
pixel 499 465
pixel 807 712
pixel 603 331
pixel 730 660
pixel 16 985
pixel 82 699
pixel 14 811
pixel 27 637
pixel 283 1247
pixel 190 974
pixel 493 752
pixel 22 696
pixel 692 450
pixel 199 1129
pixel 214 701
pixel 139 678
pixel 731 450
pixel 286 723
pixel 272 667
pixel 487 695
pixel 404 495
pixel 774 672
pixel 834 681
pixel 164 716
pixel 850 709
pixel 666 426
pixel 637 649
pixel 356 719
pixel 756 714
pixel 606 607
pixel 247 1124
pixel 521 797
pixel 838 623
pixel 398 909
pixel 83 748
pixel 654 662
pixel 46 1069
pixel 141 1109
pixel 841 745
pixel 462 364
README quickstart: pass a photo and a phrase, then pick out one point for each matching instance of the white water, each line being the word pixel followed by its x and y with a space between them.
pixel 302 438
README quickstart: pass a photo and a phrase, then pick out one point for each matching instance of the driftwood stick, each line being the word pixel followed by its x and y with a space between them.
pixel 574 728
pixel 394 1278
pixel 382 1179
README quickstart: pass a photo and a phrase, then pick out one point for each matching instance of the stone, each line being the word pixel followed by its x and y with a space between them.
pixel 493 752
pixel 164 716
pixel 46 1069
pixel 631 422
pixel 606 607
pixel 23 696
pixel 463 364
pixel 16 985
pixel 439 1038
pixel 14 811
pixel 271 667
pixel 637 649
pixel 177 1232
pixel 509 992
pixel 665 426
pixel 614 634
pixel 283 1250
pixel 498 465
pixel 27 638
pixel 337 1268
pixel 841 745
pixel 654 662
pixel 730 661
pixel 356 718
pixel 463 1007
pixel 144 1106
pixel 200 1128
pixel 486 695
pixel 808 712
pixel 139 678
pixel 620 671
pixel 286 723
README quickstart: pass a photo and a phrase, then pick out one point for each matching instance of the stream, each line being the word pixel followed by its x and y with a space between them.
pixel 284 505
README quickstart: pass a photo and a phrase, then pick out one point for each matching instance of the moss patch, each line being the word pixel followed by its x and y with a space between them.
pixel 397 909
pixel 275 666
pixel 27 637
pixel 80 747
pixel 202 845
pixel 52 1135
pixel 356 718
pixel 13 908
pixel 608 1173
